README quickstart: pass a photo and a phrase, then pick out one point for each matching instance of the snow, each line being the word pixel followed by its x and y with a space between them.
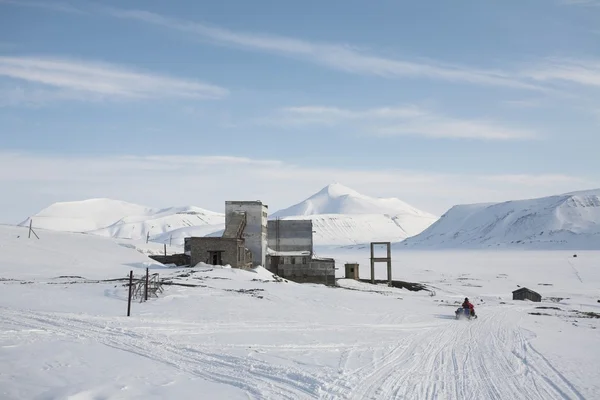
pixel 118 219
pixel 239 334
pixel 568 221
pixel 86 215
pixel 342 216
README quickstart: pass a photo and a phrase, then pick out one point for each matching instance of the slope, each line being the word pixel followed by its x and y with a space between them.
pixel 119 219
pixel 85 215
pixel 343 216
pixel 567 221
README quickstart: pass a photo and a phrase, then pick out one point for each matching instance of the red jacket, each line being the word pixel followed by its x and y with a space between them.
pixel 468 304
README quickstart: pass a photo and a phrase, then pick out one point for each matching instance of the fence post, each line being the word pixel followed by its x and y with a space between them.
pixel 130 289
pixel 165 249
pixel 146 288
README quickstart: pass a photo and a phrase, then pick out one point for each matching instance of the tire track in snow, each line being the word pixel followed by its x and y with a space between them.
pixel 487 358
pixel 259 379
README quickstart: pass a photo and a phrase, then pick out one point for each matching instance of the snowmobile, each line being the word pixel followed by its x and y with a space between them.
pixel 464 313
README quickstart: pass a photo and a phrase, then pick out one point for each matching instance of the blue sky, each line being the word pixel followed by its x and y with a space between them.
pixel 195 102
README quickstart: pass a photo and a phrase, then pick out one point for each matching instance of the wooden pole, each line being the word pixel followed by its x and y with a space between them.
pixel 389 263
pixel 30 222
pixel 130 289
pixel 165 249
pixel 148 237
pixel 372 265
pixel 146 289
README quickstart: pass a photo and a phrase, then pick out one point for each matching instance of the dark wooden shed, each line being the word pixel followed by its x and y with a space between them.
pixel 526 294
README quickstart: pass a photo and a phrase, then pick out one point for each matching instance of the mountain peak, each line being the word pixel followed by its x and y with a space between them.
pixel 336 202
pixel 336 189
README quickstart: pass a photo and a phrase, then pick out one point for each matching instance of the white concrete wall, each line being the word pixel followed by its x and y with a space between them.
pixel 255 233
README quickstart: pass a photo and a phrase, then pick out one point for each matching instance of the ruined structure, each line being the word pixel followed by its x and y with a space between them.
pixel 290 253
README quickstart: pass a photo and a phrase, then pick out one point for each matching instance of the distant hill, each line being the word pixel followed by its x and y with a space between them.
pixel 566 221
pixel 113 218
pixel 343 216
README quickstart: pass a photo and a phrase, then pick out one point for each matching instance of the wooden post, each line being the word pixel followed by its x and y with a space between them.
pixel 165 249
pixel 148 237
pixel 389 263
pixel 146 289
pixel 30 222
pixel 372 264
pixel 130 289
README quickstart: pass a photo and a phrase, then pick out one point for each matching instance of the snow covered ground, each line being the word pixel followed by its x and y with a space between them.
pixel 242 334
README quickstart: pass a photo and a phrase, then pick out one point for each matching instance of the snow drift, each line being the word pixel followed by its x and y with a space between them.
pixel 567 221
pixel 343 216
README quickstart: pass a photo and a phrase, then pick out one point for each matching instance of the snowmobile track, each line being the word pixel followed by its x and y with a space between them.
pixel 490 358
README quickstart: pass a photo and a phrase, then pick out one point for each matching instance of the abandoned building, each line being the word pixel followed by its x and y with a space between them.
pixel 243 242
pixel 352 271
pixel 526 294
pixel 284 247
pixel 218 251
pixel 254 230
pixel 290 253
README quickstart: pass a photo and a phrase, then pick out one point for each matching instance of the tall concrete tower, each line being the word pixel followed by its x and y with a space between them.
pixel 255 233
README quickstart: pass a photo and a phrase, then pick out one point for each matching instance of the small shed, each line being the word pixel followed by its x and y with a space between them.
pixel 526 294
pixel 352 271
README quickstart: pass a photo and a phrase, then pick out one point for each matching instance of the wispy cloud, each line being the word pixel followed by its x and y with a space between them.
pixel 349 58
pixel 408 120
pixel 36 180
pixel 582 72
pixel 592 3
pixel 336 56
pixel 53 6
pixel 101 79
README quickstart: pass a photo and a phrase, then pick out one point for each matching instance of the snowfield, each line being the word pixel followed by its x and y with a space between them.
pixel 245 334
pixel 566 221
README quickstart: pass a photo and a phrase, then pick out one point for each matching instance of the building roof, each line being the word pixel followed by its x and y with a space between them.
pixel 524 289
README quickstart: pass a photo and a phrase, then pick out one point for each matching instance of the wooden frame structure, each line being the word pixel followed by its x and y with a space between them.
pixel 387 260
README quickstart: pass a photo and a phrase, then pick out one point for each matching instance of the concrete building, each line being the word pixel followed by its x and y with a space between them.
pixel 290 253
pixel 218 251
pixel 290 235
pixel 352 271
pixel 254 232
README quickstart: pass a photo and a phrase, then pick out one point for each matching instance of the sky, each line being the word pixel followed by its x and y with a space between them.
pixel 198 102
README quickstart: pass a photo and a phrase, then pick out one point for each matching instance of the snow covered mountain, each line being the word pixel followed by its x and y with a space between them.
pixel 567 221
pixel 340 215
pixel 113 218
pixel 343 216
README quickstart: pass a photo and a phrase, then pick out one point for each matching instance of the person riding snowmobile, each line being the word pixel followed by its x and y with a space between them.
pixel 471 307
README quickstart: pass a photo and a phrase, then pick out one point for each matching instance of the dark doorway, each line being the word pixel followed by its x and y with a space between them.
pixel 214 257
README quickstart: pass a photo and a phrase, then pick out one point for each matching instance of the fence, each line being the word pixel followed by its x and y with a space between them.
pixel 142 288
